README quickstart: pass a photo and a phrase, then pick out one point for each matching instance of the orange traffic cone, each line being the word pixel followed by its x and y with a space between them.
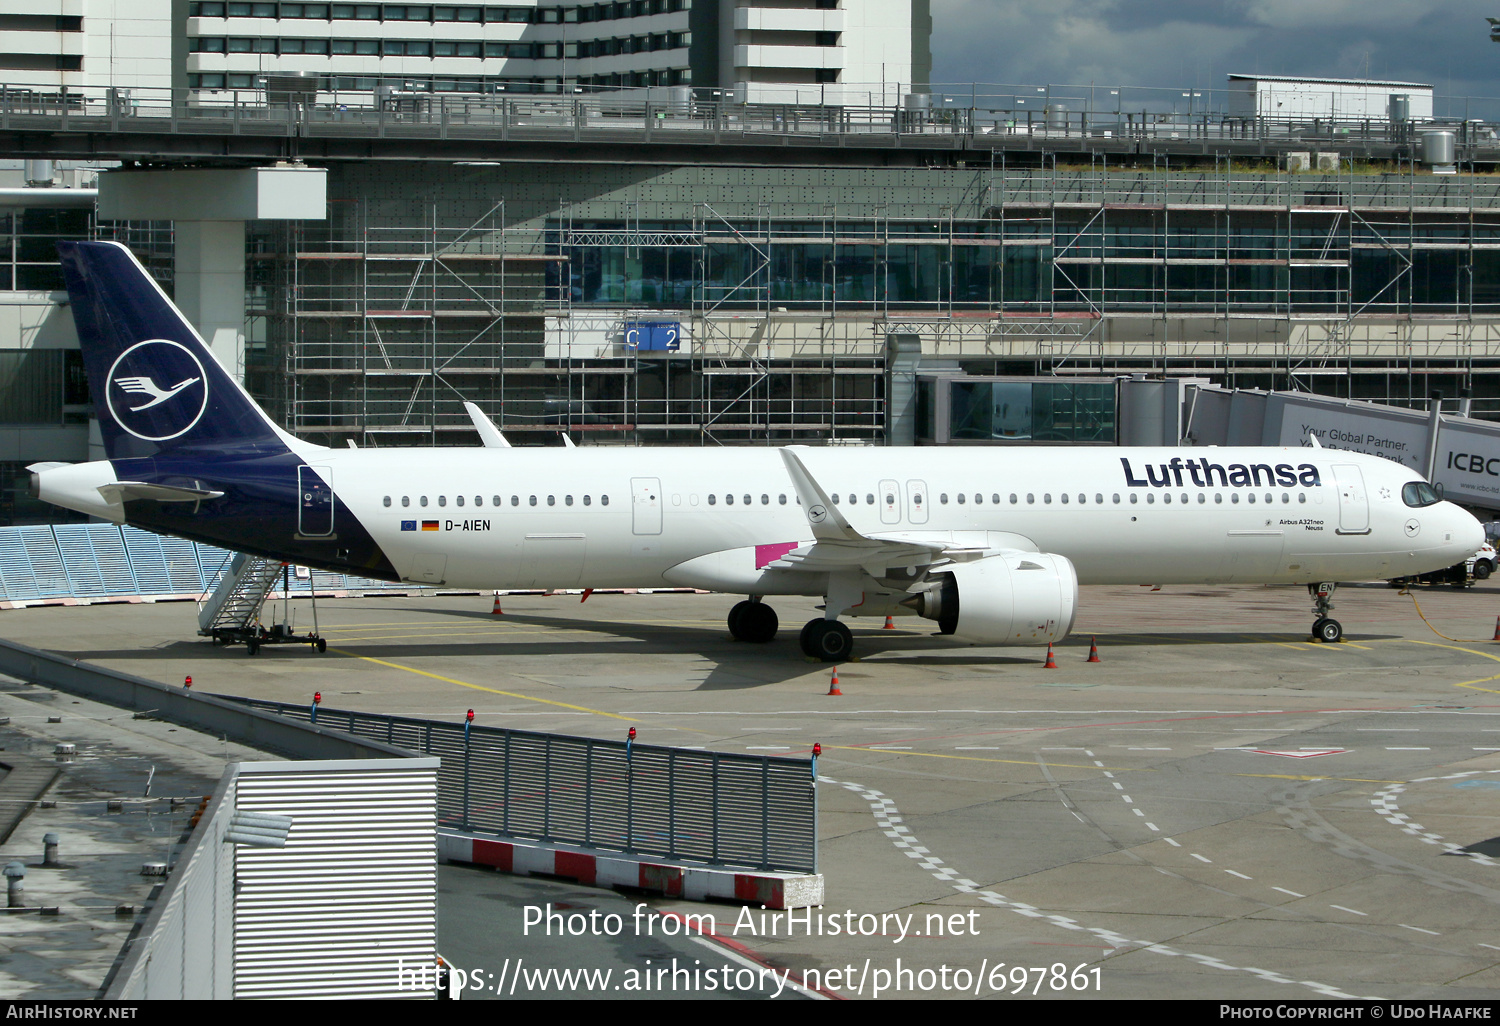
pixel 1094 650
pixel 1051 663
pixel 497 611
pixel 890 624
pixel 1497 628
pixel 833 685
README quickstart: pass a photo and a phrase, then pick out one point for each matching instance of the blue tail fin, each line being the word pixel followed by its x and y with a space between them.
pixel 156 385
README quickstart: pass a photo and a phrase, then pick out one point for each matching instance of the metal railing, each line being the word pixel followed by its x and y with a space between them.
pixel 98 561
pixel 717 808
pixel 992 120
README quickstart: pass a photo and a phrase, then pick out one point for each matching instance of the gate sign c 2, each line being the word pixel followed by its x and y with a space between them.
pixel 661 336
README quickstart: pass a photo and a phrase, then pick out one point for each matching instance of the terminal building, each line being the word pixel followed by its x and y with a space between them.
pixel 641 266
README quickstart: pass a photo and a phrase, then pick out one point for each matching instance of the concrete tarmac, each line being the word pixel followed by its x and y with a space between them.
pixel 1220 808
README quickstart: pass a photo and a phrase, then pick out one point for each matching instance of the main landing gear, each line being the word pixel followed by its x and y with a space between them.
pixel 753 621
pixel 827 640
pixel 1325 628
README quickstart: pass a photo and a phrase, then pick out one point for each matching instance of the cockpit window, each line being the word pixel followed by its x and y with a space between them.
pixel 1420 493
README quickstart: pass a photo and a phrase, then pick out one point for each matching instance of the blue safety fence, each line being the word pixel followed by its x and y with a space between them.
pixel 110 561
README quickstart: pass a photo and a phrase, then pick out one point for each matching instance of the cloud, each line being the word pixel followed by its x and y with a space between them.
pixel 1181 43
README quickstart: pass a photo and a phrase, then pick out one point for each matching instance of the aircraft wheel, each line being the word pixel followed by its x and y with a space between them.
pixel 827 640
pixel 758 624
pixel 804 639
pixel 1329 630
pixel 737 619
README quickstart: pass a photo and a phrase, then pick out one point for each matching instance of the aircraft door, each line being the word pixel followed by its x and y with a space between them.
pixel 314 502
pixel 916 502
pixel 645 505
pixel 890 502
pixel 1354 508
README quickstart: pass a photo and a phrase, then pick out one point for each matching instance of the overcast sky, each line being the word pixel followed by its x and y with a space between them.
pixel 1197 43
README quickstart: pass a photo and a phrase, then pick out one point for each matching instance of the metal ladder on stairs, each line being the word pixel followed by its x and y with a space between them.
pixel 233 610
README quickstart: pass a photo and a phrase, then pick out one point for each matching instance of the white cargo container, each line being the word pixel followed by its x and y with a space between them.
pixel 1282 98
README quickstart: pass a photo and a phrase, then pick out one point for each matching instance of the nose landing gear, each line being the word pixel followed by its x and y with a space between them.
pixel 1325 628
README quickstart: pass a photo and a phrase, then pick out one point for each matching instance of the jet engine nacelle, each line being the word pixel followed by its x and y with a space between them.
pixel 1023 598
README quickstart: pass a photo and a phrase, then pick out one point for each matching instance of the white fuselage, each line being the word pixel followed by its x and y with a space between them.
pixel 712 518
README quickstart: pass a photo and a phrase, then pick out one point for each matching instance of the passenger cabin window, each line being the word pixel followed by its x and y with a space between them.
pixel 406 500
pixel 423 500
pixel 587 499
pixel 781 499
pixel 496 499
pixel 604 500
pixel 713 500
pixel 567 500
pixel 533 500
pixel 458 499
pixel 386 501
pixel 442 500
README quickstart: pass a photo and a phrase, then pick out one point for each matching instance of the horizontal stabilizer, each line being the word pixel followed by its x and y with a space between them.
pixel 127 491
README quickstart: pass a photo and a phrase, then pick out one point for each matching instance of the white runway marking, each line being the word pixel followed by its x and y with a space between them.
pixel 888 817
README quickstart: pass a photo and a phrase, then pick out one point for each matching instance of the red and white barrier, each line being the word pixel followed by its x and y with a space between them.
pixel 693 883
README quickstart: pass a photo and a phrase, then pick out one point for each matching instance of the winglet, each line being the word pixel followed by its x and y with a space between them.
pixel 489 434
pixel 568 442
pixel 827 522
pixel 1313 440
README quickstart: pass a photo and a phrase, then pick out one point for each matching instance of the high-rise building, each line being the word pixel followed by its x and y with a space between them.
pixel 52 45
pixel 799 51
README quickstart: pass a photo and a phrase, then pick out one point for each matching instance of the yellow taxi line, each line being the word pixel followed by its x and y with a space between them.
pixel 480 687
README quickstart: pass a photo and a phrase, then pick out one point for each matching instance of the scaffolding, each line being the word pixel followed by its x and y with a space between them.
pixel 377 325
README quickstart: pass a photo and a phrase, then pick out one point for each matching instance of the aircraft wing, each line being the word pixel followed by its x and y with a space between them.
pixel 489 434
pixel 837 546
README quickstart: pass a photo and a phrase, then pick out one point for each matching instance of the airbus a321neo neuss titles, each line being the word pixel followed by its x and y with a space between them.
pixel 990 543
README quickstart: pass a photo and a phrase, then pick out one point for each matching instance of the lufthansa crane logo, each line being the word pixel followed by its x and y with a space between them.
pixel 816 514
pixel 157 390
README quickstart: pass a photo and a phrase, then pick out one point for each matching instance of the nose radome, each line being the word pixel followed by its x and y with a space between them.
pixel 1471 532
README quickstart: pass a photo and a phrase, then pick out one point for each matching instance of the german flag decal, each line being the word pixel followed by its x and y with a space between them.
pixel 429 525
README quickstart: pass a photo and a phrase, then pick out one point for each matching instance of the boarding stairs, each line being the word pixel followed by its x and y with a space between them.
pixel 234 607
